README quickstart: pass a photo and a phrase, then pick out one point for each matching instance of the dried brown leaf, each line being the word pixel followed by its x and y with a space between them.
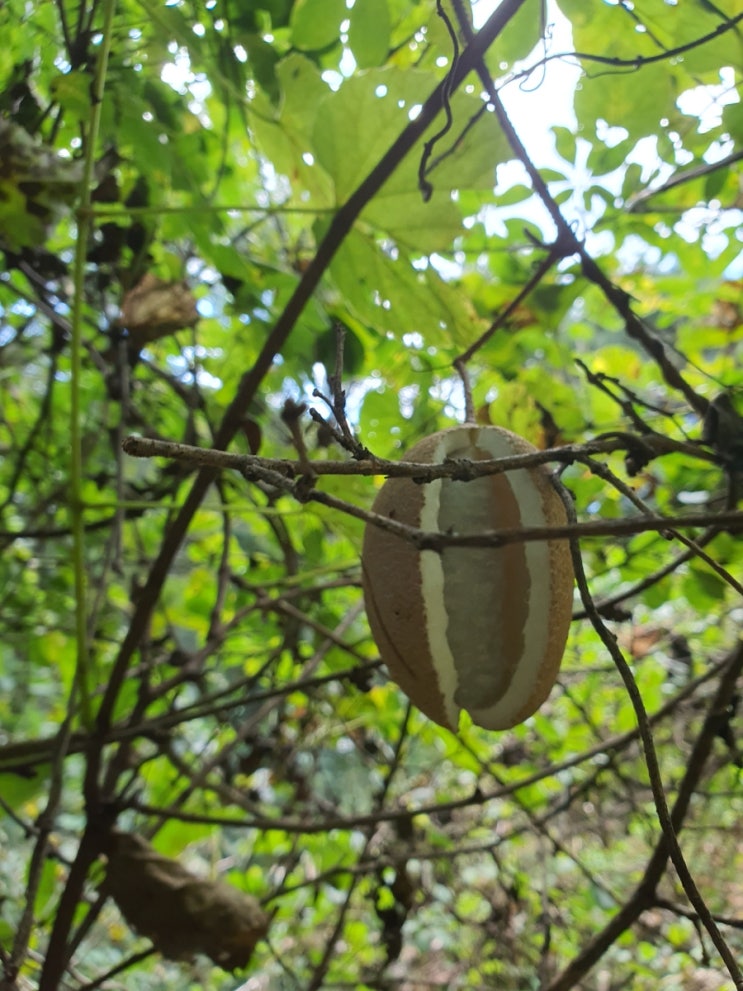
pixel 154 309
pixel 182 914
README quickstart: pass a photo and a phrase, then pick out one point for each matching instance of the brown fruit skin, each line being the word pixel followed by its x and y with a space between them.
pixel 393 594
pixel 395 600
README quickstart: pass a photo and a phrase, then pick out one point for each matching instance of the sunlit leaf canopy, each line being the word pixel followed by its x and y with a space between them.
pixel 215 219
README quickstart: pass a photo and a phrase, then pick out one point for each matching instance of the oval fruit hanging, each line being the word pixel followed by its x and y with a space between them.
pixel 473 628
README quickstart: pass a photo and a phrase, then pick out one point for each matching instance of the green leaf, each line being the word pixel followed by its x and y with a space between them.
pixel 379 417
pixel 521 34
pixel 72 90
pixel 715 181
pixel 635 100
pixel 516 194
pixel 353 130
pixel 303 89
pixel 315 24
pixel 732 119
pixel 389 295
pixel 18 227
pixel 631 183
pixel 565 143
pixel 603 159
pixel 354 126
pixel 262 60
pixel 369 33
pixel 326 350
pixel 284 136
pixel 164 104
pixel 17 789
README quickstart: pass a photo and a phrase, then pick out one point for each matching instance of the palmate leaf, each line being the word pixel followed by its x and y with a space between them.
pixel 353 129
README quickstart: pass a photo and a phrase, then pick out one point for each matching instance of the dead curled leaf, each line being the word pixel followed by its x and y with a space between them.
pixel 154 309
pixel 181 913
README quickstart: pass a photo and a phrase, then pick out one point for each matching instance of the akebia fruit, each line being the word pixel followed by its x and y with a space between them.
pixel 471 628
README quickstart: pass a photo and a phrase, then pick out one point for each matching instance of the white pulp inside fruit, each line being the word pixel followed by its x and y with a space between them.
pixel 436 617
pixel 535 582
